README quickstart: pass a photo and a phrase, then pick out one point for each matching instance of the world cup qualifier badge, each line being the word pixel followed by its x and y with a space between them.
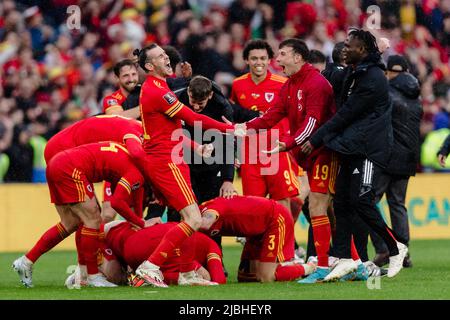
pixel 170 98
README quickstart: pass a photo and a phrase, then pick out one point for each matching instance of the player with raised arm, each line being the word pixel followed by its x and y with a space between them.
pixel 259 90
pixel 161 115
pixel 307 100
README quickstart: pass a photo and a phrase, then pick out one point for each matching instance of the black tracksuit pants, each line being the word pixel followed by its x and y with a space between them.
pixel 355 197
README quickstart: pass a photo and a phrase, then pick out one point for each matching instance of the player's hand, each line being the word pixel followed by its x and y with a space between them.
pixel 307 148
pixel 280 147
pixel 240 129
pixel 186 69
pixel 442 160
pixel 152 222
pixel 384 44
pixel 205 150
pixel 227 190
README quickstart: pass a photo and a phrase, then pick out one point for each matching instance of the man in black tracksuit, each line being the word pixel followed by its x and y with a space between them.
pixel 209 180
pixel 407 112
pixel 361 133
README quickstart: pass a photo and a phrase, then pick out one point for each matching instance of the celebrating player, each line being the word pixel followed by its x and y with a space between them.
pixel 259 90
pixel 127 74
pixel 131 247
pixel 307 100
pixel 269 229
pixel 161 114
pixel 70 175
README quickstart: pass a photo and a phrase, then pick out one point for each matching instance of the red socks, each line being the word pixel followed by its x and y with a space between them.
pixel 48 240
pixel 354 252
pixel 90 245
pixel 322 236
pixel 289 273
pixel 215 268
pixel 171 240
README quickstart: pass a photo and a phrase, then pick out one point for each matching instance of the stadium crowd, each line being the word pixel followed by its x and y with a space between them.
pixel 57 71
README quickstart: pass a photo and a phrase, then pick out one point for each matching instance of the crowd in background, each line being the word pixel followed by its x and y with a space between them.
pixel 53 74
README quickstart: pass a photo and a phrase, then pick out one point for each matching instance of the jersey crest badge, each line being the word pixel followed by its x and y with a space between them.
pixel 299 94
pixel 269 96
pixel 170 98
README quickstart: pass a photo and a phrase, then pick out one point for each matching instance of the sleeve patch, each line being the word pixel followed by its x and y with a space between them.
pixel 170 98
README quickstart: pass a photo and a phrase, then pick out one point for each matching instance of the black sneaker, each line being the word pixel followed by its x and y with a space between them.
pixel 407 263
pixel 381 259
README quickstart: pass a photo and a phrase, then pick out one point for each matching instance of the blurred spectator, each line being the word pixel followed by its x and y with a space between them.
pixel 20 155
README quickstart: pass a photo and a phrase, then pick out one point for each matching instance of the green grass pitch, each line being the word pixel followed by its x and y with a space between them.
pixel 429 278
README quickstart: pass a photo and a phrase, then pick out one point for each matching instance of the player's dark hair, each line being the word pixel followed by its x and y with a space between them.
pixel 367 39
pixel 297 45
pixel 142 55
pixel 174 56
pixel 200 87
pixel 119 65
pixel 257 44
pixel 315 56
pixel 337 52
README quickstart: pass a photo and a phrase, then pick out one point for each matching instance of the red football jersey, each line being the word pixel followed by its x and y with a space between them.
pixel 260 97
pixel 245 216
pixel 307 100
pixel 99 128
pixel 114 99
pixel 161 115
pixel 158 107
pixel 107 161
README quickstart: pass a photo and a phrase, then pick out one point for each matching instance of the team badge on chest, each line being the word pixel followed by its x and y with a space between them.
pixel 269 96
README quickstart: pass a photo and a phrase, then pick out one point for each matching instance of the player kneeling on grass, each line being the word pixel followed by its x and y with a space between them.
pixel 269 229
pixel 132 246
pixel 70 175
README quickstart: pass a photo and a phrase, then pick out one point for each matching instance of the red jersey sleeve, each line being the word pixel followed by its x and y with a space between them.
pixel 214 263
pixel 124 196
pixel 317 98
pixel 272 116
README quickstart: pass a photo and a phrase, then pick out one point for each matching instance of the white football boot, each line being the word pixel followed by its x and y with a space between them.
pixel 24 267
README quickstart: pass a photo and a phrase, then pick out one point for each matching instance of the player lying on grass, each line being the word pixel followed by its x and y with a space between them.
pixel 269 228
pixel 70 176
pixel 131 246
